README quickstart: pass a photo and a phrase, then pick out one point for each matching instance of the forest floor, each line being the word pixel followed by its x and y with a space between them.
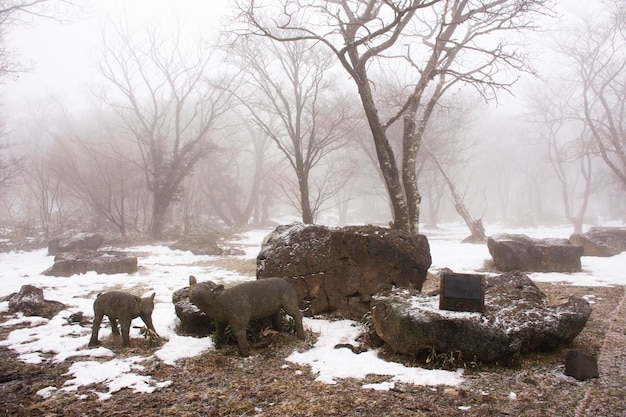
pixel 221 383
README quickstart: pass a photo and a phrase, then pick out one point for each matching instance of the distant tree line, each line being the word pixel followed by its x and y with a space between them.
pixel 308 107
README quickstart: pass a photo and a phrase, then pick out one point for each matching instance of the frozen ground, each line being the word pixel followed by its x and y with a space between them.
pixel 163 271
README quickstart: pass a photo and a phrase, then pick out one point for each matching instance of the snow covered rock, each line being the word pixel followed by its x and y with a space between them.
pixel 601 241
pixel 73 240
pixel 517 319
pixel 103 262
pixel 192 319
pixel 30 302
pixel 515 252
pixel 339 269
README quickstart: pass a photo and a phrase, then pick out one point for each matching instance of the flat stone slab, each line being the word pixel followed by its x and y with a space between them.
pixel 516 319
pixel 103 262
pixel 517 252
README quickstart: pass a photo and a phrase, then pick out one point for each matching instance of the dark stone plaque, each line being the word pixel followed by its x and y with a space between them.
pixel 462 292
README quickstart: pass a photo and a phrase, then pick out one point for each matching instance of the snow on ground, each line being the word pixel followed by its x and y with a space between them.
pixel 163 271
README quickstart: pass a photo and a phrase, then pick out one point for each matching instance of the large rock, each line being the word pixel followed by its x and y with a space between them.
pixel 192 320
pixel 601 241
pixel 73 240
pixel 103 262
pixel 513 252
pixel 516 319
pixel 339 269
pixel 30 302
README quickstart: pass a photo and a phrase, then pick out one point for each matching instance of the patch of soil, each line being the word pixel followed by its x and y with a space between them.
pixel 221 383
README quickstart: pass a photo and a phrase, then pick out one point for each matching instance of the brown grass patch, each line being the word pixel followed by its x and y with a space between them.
pixel 221 383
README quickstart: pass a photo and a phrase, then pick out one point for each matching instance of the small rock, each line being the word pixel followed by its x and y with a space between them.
pixel 30 302
pixel 581 366
pixel 192 319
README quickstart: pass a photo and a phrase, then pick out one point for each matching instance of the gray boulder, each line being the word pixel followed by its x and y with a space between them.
pixel 193 321
pixel 73 240
pixel 601 241
pixel 81 261
pixel 516 252
pixel 339 269
pixel 516 319
pixel 31 302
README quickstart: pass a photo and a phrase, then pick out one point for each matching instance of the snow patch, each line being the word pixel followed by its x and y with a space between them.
pixel 331 364
pixel 163 270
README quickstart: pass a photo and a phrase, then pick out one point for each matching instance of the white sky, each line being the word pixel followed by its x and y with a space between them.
pixel 61 54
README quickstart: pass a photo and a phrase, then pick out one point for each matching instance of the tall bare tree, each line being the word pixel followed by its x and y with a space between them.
pixel 554 108
pixel 12 13
pixel 237 179
pixel 166 101
pixel 98 167
pixel 293 101
pixel 451 41
pixel 599 58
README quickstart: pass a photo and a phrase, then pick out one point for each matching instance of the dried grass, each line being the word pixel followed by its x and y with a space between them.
pixel 221 383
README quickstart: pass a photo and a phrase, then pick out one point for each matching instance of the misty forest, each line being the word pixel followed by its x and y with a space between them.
pixel 316 207
pixel 403 113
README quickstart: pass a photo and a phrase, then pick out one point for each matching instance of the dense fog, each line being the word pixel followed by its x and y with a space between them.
pixel 144 118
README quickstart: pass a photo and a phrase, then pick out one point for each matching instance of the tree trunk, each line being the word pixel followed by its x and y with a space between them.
pixel 476 227
pixel 305 203
pixel 386 159
pixel 159 208
pixel 409 172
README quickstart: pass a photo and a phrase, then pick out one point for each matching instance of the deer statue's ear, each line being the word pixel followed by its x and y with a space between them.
pixel 152 296
pixel 192 280
pixel 217 290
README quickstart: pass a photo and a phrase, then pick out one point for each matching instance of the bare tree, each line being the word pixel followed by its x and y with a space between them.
pixel 12 13
pixel 554 108
pixel 236 178
pixel 599 57
pixel 454 42
pixel 98 168
pixel 167 103
pixel 293 101
pixel 47 192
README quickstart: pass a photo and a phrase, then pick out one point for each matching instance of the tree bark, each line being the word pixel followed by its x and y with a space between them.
pixel 386 158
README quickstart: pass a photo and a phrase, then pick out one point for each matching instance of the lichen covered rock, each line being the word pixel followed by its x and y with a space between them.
pixel 192 320
pixel 517 319
pixel 31 302
pixel 601 241
pixel 339 269
pixel 515 252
